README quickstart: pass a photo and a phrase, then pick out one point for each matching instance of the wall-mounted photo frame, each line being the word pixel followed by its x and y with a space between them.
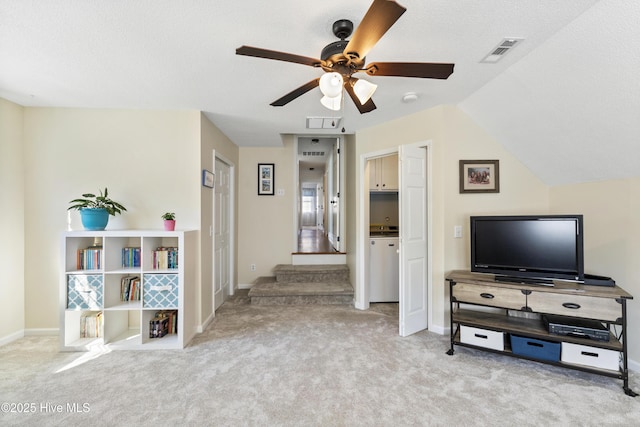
pixel 479 176
pixel 207 178
pixel 266 179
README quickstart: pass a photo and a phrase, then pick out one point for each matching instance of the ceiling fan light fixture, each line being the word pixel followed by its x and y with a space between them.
pixel 332 103
pixel 364 90
pixel 331 84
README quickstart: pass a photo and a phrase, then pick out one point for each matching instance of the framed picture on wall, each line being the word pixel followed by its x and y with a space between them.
pixel 207 178
pixel 479 176
pixel 266 179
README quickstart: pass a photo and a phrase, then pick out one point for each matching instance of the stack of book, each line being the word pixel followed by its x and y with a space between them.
pixel 91 325
pixel 130 288
pixel 165 258
pixel 130 257
pixel 165 322
pixel 89 258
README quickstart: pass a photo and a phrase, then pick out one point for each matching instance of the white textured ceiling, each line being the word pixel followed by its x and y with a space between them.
pixel 565 101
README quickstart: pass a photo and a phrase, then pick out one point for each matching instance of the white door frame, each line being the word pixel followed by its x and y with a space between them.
pixel 232 234
pixel 297 199
pixel 362 231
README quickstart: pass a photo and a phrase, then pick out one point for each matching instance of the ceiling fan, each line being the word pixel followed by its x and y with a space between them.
pixel 344 58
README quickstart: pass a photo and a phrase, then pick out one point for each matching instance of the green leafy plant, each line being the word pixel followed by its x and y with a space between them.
pixel 101 201
pixel 169 216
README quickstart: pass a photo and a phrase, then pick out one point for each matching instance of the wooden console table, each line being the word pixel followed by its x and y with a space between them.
pixel 518 316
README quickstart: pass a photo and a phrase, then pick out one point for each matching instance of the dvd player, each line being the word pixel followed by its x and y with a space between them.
pixel 576 327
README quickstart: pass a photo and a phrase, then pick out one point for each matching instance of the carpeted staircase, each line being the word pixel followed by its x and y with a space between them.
pixel 303 284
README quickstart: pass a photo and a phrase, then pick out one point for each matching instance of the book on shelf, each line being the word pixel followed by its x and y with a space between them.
pixel 164 322
pixel 165 258
pixel 91 325
pixel 89 258
pixel 130 257
pixel 130 288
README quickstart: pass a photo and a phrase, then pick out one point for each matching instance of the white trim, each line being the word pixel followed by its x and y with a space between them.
pixel 41 332
pixel 361 297
pixel 245 285
pixel 318 259
pixel 361 300
pixel 200 329
pixel 441 330
pixel 11 337
pixel 633 365
pixel 232 232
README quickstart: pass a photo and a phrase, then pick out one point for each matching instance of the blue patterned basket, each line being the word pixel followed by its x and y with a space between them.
pixel 160 291
pixel 84 291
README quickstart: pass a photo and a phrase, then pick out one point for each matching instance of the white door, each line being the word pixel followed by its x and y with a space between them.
pixel 334 213
pixel 221 273
pixel 413 239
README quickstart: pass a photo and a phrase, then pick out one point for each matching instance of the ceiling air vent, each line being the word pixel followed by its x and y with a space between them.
pixel 498 52
pixel 323 122
pixel 313 153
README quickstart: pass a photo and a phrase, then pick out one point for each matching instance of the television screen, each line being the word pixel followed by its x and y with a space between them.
pixel 541 248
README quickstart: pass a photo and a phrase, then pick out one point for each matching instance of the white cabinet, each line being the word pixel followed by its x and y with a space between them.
pixel 127 289
pixel 383 173
pixel 384 279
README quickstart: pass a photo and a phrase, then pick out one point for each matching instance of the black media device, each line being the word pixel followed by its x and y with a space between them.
pixel 575 327
pixel 533 249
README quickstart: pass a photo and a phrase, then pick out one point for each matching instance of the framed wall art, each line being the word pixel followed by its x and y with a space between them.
pixel 266 179
pixel 479 176
pixel 207 178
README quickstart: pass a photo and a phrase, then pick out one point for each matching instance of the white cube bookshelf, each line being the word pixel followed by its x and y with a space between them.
pixel 96 288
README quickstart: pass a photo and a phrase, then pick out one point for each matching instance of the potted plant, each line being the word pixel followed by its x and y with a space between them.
pixel 169 221
pixel 95 209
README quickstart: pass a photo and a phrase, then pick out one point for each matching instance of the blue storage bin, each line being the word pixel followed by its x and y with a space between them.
pixel 537 349
pixel 160 290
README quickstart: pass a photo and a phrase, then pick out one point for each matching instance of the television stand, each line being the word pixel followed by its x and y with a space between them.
pixel 516 329
pixel 524 280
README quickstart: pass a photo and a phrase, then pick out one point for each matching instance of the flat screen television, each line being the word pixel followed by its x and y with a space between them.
pixel 531 249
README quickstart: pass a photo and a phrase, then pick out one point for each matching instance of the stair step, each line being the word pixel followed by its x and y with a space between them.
pixel 268 291
pixel 309 273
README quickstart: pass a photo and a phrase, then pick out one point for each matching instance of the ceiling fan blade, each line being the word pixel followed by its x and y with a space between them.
pixel 363 108
pixel 428 70
pixel 296 93
pixel 280 56
pixel 382 14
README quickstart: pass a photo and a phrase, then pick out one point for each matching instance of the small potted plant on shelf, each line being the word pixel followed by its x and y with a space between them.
pixel 169 221
pixel 95 209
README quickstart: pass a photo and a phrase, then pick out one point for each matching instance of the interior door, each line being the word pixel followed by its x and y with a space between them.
pixel 413 239
pixel 334 196
pixel 222 252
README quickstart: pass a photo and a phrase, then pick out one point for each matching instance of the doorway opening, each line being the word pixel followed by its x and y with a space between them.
pixel 414 204
pixel 318 205
pixel 222 230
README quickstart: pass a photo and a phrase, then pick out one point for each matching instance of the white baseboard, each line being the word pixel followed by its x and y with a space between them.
pixel 439 329
pixel 41 332
pixel 11 337
pixel 245 285
pixel 206 323
pixel 633 365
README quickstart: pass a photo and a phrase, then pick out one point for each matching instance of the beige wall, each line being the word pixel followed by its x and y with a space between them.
pixel 265 223
pixel 212 140
pixel 149 160
pixel 611 236
pixel 12 304
pixel 454 136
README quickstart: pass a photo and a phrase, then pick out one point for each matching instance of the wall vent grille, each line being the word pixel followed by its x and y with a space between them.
pixel 498 52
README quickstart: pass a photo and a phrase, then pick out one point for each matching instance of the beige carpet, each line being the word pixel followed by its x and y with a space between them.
pixel 302 366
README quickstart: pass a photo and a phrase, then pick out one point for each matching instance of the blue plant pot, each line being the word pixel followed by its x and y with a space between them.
pixel 94 219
